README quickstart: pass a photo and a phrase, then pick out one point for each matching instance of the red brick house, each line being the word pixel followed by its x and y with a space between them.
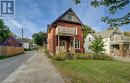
pixel 10 41
pixel 63 32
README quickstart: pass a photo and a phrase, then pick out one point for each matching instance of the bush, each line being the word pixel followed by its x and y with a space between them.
pixel 46 51
pixel 102 57
pixel 83 56
pixel 69 55
pixel 60 56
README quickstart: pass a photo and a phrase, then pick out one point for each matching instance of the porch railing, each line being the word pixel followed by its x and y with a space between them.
pixel 63 49
pixel 123 38
pixel 60 30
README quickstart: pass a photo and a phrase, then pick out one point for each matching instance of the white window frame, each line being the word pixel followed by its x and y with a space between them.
pixel 77 46
pixel 70 16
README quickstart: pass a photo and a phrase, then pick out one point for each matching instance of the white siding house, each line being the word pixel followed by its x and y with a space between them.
pixel 116 43
pixel 87 42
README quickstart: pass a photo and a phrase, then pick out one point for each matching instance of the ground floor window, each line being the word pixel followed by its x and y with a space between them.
pixel 77 44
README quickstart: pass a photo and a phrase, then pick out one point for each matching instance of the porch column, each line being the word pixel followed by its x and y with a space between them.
pixel 74 44
pixel 129 46
pixel 58 43
pixel 121 47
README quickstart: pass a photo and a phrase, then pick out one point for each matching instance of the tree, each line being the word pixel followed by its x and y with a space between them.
pixel 114 6
pixel 97 45
pixel 127 33
pixel 4 31
pixel 87 30
pixel 40 38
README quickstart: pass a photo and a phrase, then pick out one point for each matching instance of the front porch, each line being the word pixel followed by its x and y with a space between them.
pixel 65 39
pixel 120 49
pixel 65 44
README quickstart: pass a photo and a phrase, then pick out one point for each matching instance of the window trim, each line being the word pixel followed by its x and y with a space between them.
pixel 71 17
pixel 76 47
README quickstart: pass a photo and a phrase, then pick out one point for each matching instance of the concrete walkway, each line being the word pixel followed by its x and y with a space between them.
pixel 126 59
pixel 36 70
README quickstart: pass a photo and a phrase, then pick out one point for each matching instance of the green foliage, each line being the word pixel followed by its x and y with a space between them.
pixel 82 56
pixel 77 1
pixel 86 56
pixel 114 6
pixel 78 56
pixel 40 38
pixel 4 31
pixel 97 46
pixel 87 30
pixel 60 56
pixel 102 57
pixel 46 51
pixel 127 33
pixel 63 56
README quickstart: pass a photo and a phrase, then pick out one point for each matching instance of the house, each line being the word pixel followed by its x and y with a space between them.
pixel 26 43
pixel 65 34
pixel 116 43
pixel 87 42
pixel 10 41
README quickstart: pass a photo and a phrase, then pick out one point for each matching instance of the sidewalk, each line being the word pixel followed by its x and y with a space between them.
pixel 36 70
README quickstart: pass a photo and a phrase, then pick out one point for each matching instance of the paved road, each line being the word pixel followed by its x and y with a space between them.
pixel 37 69
pixel 8 66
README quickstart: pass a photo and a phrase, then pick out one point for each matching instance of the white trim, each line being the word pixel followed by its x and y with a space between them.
pixel 75 44
pixel 78 44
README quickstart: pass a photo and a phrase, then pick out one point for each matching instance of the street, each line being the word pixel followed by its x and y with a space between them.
pixel 8 66
pixel 38 69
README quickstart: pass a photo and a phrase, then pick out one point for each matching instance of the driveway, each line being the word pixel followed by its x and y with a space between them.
pixel 37 69
pixel 7 66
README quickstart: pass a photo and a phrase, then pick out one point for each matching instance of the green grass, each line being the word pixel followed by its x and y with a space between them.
pixel 94 71
pixel 4 57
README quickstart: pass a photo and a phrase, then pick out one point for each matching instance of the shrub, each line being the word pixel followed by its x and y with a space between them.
pixel 69 55
pixel 60 56
pixel 83 56
pixel 46 51
pixel 102 57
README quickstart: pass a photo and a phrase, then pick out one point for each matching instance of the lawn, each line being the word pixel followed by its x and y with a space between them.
pixel 4 57
pixel 94 71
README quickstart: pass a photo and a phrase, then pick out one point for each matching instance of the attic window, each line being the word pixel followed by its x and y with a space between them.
pixel 70 17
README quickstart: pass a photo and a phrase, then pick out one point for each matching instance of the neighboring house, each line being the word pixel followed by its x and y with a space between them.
pixel 87 41
pixel 26 43
pixel 116 43
pixel 10 41
pixel 63 32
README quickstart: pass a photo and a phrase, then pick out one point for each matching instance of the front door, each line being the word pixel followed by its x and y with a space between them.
pixel 63 45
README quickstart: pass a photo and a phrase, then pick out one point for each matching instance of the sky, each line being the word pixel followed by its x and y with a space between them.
pixel 34 15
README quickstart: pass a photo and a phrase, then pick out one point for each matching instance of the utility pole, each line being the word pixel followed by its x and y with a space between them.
pixel 22 32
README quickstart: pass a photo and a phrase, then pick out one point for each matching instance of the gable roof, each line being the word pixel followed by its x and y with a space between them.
pixel 107 33
pixel 60 17
pixel 24 40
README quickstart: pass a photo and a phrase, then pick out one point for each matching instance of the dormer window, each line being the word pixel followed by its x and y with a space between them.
pixel 70 17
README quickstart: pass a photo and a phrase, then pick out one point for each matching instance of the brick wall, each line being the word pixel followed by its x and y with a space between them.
pixel 52 36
